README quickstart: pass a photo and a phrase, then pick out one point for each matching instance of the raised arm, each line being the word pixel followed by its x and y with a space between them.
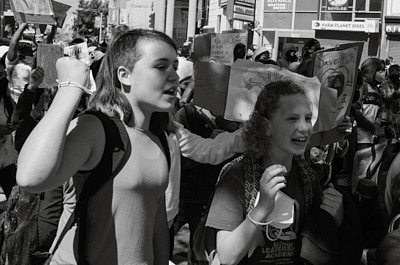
pixel 12 48
pixel 22 112
pixel 56 149
pixel 207 150
pixel 50 36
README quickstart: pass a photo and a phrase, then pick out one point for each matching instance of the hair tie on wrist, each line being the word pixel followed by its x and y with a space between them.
pixel 73 84
pixel 257 224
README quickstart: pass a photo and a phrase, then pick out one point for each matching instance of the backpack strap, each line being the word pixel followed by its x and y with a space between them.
pixel 114 158
pixel 164 143
pixel 116 153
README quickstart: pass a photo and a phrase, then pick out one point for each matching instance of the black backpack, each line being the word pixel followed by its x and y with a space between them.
pixel 19 225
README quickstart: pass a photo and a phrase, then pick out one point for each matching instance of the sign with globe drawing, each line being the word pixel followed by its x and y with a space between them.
pixel 337 5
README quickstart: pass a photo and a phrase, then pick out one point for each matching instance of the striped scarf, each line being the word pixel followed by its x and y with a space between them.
pixel 254 169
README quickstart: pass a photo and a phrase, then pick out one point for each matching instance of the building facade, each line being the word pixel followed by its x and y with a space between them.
pixel 391 30
pixel 280 23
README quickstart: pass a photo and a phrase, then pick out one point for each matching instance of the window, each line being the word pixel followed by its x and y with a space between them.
pixel 350 10
pixel 368 5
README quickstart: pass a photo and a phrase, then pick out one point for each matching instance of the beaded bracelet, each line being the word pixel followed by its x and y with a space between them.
pixel 255 223
pixel 73 84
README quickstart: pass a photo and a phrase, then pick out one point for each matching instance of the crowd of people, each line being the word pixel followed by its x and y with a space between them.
pixel 179 159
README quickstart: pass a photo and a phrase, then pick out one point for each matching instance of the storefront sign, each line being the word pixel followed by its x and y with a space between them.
pixel 337 5
pixel 367 26
pixel 8 13
pixel 223 3
pixel 241 10
pixel 393 28
pixel 278 5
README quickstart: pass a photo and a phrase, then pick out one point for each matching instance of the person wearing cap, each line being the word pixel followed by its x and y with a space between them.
pixel 185 72
pixel 310 47
pixel 290 59
pixel 262 55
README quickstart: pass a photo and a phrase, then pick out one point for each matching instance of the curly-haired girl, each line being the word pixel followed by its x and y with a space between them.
pixel 266 229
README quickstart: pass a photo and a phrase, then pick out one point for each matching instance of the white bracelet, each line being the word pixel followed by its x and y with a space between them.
pixel 257 224
pixel 73 84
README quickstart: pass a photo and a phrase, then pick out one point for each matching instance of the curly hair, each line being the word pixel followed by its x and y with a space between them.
pixel 255 135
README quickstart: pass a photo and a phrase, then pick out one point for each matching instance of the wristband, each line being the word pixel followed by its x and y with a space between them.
pixel 255 223
pixel 73 84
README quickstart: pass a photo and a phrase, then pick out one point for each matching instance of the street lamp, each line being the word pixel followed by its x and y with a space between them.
pixel 99 22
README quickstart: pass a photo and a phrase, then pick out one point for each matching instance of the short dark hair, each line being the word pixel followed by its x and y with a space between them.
pixel 310 43
pixel 125 50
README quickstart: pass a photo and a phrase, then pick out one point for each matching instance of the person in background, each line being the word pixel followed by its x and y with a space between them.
pixel 310 47
pixel 262 55
pixel 390 94
pixel 8 153
pixel 19 61
pixel 373 72
pixel 239 52
pixel 290 59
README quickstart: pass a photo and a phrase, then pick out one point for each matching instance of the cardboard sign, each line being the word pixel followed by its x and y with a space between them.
pixel 60 12
pixel 80 51
pixel 211 86
pixel 336 69
pixel 47 56
pixel 201 46
pixel 38 12
pixel 222 46
pixel 248 78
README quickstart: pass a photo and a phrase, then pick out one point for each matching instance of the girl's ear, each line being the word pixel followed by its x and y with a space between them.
pixel 123 75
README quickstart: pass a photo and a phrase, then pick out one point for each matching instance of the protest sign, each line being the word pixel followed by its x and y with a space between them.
pixel 201 46
pixel 60 12
pixel 336 69
pixel 47 56
pixel 79 50
pixel 211 86
pixel 222 45
pixel 38 12
pixel 248 78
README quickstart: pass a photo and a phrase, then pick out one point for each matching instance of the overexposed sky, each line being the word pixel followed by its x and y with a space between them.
pixel 72 3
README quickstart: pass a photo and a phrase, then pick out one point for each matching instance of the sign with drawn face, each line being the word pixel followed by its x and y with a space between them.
pixel 248 78
pixel 336 69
